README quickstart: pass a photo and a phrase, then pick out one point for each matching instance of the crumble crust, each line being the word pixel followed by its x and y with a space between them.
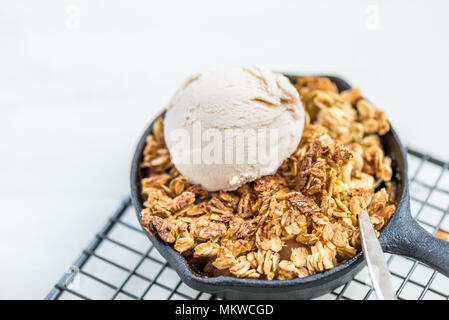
pixel 298 222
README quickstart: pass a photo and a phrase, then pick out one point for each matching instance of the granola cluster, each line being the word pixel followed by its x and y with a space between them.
pixel 298 222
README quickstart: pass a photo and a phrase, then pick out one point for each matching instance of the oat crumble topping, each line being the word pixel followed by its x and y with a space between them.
pixel 298 222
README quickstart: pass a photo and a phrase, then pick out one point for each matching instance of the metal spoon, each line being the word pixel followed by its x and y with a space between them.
pixel 375 260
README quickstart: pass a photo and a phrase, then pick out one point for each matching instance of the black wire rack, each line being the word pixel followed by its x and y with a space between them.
pixel 120 262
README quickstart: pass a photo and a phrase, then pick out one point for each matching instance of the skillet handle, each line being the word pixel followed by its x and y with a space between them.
pixel 409 239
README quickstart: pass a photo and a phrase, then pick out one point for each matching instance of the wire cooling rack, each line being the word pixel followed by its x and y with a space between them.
pixel 121 263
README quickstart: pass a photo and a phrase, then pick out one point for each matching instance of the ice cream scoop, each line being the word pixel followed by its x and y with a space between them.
pixel 227 126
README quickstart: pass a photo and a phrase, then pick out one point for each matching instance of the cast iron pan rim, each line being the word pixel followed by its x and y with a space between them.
pixel 224 282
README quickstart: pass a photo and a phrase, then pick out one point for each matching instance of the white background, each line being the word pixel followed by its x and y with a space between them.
pixel 80 80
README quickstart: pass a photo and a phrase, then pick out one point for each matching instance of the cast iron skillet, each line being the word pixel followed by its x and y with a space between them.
pixel 403 235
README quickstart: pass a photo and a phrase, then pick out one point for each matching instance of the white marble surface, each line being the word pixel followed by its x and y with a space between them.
pixel 80 80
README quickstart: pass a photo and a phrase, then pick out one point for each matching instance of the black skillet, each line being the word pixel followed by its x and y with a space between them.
pixel 403 236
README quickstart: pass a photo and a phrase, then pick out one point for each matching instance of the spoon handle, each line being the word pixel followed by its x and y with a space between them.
pixel 375 260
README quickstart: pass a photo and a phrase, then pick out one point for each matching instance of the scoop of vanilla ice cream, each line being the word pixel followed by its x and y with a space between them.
pixel 220 123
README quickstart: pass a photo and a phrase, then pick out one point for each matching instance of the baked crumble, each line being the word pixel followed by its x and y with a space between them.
pixel 298 222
